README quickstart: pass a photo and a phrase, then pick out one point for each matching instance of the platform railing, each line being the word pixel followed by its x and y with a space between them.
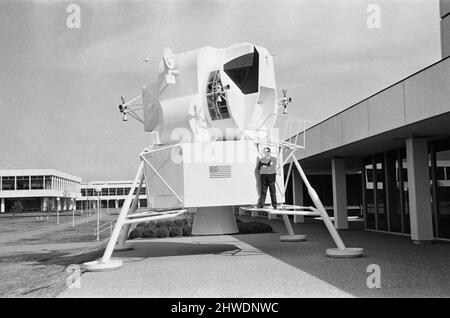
pixel 279 130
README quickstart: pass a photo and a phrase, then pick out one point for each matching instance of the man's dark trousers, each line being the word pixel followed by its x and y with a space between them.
pixel 268 181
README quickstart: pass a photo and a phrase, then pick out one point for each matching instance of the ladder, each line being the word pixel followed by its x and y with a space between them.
pixel 289 144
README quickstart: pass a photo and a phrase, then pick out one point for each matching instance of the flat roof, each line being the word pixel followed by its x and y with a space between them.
pixel 107 183
pixel 38 172
pixel 417 105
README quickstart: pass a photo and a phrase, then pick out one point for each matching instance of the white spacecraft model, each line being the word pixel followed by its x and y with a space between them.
pixel 205 106
pixel 209 113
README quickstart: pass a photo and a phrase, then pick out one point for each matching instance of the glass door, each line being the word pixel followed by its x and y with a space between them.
pixel 442 175
pixel 393 185
pixel 368 188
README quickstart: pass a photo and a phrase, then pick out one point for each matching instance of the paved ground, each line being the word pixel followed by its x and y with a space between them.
pixel 259 265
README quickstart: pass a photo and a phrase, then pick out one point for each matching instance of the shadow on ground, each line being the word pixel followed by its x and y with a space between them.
pixel 407 270
pixel 146 249
pixel 42 274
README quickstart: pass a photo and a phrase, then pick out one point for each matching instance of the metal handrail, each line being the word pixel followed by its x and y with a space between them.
pixel 104 227
pixel 290 130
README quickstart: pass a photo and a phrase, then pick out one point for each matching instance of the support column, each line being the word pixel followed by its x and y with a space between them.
pixel 117 204
pixel 297 193
pixel 339 193
pixel 2 207
pixel 419 190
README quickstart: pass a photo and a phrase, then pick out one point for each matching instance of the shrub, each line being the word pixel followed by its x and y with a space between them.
pixel 17 207
pixel 176 231
pixel 149 231
pixel 187 230
pixel 136 233
pixel 167 223
pixel 253 227
pixel 162 231
pixel 180 223
pixel 141 225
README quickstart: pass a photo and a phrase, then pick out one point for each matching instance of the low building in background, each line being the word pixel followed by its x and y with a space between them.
pixel 38 190
pixel 112 195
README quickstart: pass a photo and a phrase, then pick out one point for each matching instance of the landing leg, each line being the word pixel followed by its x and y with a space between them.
pixel 341 251
pixel 122 244
pixel 291 237
pixel 106 263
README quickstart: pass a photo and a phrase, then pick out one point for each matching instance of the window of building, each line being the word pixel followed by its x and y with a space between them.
pixel 405 192
pixel 386 196
pixel 37 182
pixel 143 203
pixel 380 192
pixel 112 191
pixel 23 183
pixel 393 188
pixel 369 204
pixel 83 192
pixel 48 182
pixel 104 191
pixel 442 161
pixel 8 183
pixel 119 191
pixel 440 173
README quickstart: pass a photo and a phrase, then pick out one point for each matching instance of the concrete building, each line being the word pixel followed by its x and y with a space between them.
pixel 397 143
pixel 112 194
pixel 38 189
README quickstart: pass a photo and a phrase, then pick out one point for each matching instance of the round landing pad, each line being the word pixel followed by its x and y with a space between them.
pixel 293 238
pixel 98 266
pixel 348 252
pixel 124 247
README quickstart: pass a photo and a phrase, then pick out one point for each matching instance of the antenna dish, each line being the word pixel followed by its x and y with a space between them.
pixel 169 58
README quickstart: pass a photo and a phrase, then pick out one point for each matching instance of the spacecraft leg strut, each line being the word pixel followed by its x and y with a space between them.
pixel 341 251
pixel 106 263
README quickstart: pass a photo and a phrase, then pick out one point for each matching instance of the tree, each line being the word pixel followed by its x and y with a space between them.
pixel 65 200
pixel 17 208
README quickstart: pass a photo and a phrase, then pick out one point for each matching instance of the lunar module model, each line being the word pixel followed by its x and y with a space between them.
pixel 209 114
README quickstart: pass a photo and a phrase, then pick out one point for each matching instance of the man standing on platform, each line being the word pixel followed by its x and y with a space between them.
pixel 267 167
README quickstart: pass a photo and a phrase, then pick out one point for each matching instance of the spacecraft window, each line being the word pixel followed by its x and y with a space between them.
pixel 216 97
pixel 244 71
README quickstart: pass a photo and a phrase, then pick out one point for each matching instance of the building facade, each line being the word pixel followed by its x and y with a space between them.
pixel 398 142
pixel 112 194
pixel 38 189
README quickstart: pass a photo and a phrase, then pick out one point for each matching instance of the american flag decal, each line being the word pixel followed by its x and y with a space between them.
pixel 220 171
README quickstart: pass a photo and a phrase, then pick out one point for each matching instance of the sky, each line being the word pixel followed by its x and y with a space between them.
pixel 60 87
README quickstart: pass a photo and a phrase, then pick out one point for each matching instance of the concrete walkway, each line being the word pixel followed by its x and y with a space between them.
pixel 259 265
pixel 215 266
